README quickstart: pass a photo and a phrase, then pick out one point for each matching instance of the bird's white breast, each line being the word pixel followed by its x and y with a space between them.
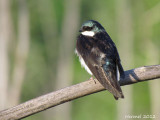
pixel 83 64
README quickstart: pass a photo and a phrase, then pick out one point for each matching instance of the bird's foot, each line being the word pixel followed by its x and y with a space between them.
pixel 93 79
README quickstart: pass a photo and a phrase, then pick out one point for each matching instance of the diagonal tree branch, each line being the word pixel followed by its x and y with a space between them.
pixel 76 91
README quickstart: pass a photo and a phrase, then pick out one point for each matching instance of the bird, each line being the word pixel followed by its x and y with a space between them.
pixel 99 56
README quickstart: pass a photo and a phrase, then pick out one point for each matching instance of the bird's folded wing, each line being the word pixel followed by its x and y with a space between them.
pixel 106 75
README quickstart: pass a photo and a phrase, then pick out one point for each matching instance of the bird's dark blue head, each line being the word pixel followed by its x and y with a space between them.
pixel 91 27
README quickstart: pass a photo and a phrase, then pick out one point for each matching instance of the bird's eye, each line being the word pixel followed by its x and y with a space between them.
pixel 87 28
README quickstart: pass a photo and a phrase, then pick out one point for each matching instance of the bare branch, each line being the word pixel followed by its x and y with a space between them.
pixel 76 91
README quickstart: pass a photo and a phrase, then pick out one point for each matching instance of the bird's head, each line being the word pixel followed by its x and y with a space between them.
pixel 90 28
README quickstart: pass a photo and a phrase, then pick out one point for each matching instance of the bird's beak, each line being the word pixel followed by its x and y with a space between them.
pixel 81 30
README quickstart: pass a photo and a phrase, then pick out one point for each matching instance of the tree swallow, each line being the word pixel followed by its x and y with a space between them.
pixel 99 56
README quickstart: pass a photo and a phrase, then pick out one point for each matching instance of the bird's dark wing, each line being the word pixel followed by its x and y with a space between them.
pixel 105 70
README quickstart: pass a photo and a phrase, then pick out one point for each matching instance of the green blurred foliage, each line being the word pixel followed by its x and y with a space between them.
pixel 102 105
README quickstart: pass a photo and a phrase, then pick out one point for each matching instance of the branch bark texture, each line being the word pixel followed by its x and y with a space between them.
pixel 76 91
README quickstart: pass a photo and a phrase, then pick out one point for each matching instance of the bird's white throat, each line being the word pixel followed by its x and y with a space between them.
pixel 88 33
